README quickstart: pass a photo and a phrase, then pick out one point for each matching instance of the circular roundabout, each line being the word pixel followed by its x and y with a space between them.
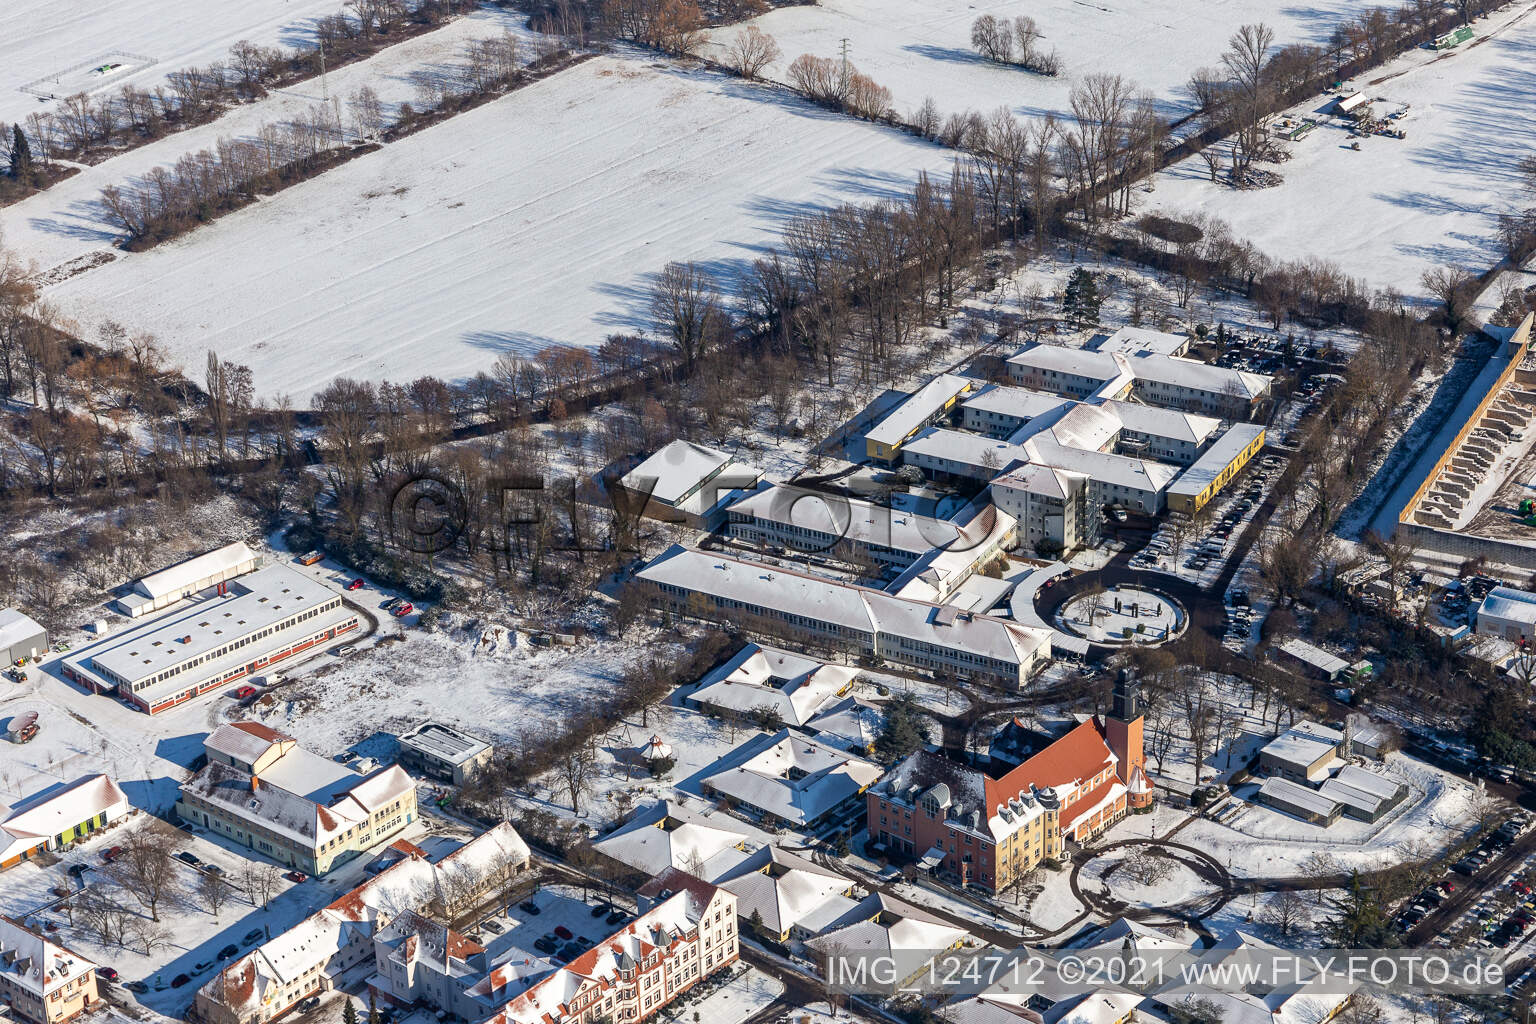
pixel 1122 615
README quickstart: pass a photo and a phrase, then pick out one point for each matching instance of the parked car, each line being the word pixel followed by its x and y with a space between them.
pixel 493 927
pixel 346 651
pixel 137 986
pixel 229 951
pixel 356 584
pixel 179 980
pixel 185 826
pixel 309 1004
pixel 110 973
pixel 530 907
pixel 545 945
pixel 202 966
pixel 616 916
pixel 188 857
pixel 112 854
pixel 601 909
pixel 244 692
pixel 404 610
pixel 254 935
pixel 296 876
pixel 564 932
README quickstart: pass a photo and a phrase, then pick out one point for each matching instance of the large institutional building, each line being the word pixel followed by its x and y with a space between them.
pixel 252 621
pixel 264 791
pixel 988 831
pixel 828 614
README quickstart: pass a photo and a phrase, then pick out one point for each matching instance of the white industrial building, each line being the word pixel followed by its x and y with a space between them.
pixel 1507 613
pixel 21 637
pixel 253 622
pixel 164 588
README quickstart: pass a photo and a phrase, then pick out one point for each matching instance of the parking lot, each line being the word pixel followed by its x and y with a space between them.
pixel 1502 910
pixel 556 922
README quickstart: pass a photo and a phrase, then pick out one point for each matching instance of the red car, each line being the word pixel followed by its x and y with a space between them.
pixel 244 692
pixel 110 973
pixel 296 876
pixel 563 931
pixel 404 610
pixel 111 855
pixel 356 584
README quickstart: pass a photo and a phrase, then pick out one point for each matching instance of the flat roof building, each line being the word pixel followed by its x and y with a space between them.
pixel 1222 461
pixel 251 623
pixel 1315 660
pixel 444 753
pixel 1298 756
pixel 1507 613
pixel 1364 794
pixel 923 407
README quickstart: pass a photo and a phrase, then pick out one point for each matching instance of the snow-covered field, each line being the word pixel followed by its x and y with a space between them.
pixel 535 219
pixel 1398 206
pixel 46 37
pixel 920 49
pixel 67 221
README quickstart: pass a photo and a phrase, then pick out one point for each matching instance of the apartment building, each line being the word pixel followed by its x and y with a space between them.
pixel 264 791
pixel 42 982
pixel 686 931
pixel 357 928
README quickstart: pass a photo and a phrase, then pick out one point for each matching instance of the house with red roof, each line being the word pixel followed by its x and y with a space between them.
pixel 989 829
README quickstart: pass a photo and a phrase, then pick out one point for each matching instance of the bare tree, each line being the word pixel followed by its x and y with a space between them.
pixel 214 891
pixel 686 308
pixel 145 867
pixel 751 51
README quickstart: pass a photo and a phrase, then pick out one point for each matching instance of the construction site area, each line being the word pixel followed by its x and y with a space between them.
pixel 1482 484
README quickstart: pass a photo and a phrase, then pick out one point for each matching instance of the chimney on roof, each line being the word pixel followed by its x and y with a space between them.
pixel 255 783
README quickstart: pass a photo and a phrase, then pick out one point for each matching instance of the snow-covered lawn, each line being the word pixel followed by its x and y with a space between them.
pixel 46 37
pixel 535 219
pixel 737 1000
pixel 1398 206
pixel 919 49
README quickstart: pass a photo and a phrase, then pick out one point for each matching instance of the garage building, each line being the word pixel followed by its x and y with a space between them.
pixel 21 637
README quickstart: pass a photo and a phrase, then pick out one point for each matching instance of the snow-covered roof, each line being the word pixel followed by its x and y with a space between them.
pixel 848 519
pixel 792 777
pixel 656 749
pixel 36 964
pixel 1043 480
pixel 403 887
pixel 1314 656
pixel 1105 467
pixel 785 890
pixel 674 470
pixel 244 741
pixel 851 722
pixel 882 926
pixel 861 609
pixel 1075 361
pixel 1205 470
pixel 190 574
pixel 1192 373
pixel 666 834
pixel 1510 604
pixel 795 686
pixel 16 627
pixel 444 743
pixel 1295 747
pixel 966 449
pixel 1356 787
pixel 253 603
pixel 1021 403
pixel 1296 795
pixel 1156 421
pixel 919 408
pixel 40 818
pixel 548 1000
pixel 1140 341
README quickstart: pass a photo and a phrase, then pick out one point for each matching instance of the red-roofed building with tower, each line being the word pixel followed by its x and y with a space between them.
pixel 987 830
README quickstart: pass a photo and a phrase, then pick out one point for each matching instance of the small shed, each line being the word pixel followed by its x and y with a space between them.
pixel 1314 660
pixel 1356 106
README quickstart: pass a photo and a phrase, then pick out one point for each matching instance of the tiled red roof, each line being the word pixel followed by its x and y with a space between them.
pixel 1080 754
pixel 261 732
